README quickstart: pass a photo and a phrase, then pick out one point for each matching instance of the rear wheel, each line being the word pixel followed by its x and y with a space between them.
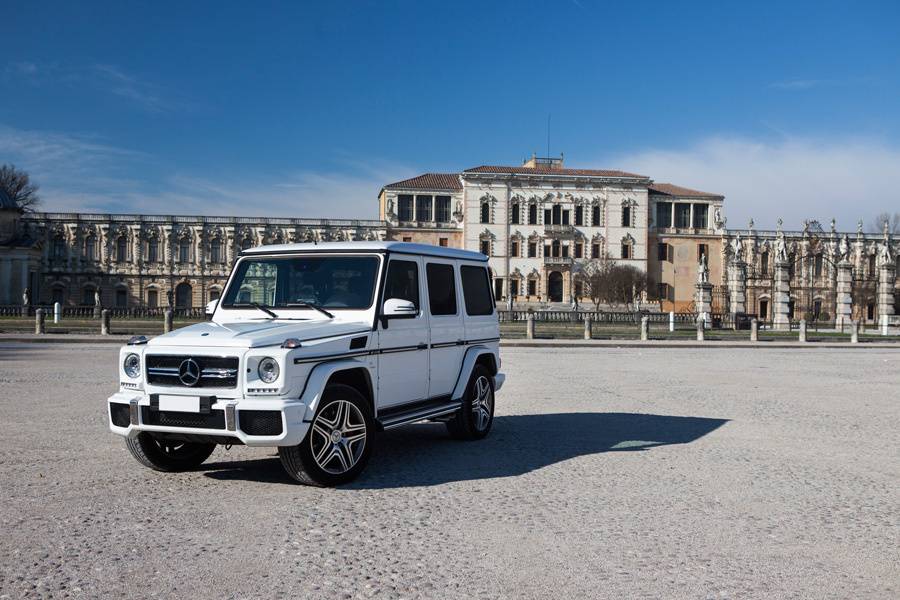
pixel 167 455
pixel 339 441
pixel 473 421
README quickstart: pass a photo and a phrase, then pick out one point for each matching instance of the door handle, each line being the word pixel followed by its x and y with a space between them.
pixel 422 346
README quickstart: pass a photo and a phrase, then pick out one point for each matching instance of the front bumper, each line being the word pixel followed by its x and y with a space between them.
pixel 499 379
pixel 223 419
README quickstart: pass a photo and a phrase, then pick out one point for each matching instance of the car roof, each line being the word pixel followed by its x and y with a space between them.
pixel 398 247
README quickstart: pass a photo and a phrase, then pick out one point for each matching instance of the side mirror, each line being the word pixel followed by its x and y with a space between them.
pixel 395 308
pixel 211 306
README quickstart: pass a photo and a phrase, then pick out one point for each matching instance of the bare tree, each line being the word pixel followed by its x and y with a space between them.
pixel 595 280
pixel 606 282
pixel 17 185
pixel 877 224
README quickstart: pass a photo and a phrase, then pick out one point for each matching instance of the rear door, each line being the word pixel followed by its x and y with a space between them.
pixel 403 345
pixel 446 324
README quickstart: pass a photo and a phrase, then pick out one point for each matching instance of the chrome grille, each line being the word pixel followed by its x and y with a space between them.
pixel 207 371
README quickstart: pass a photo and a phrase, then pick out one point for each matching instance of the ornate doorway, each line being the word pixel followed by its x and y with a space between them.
pixel 555 286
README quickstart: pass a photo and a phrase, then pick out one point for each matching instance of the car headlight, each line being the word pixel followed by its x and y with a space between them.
pixel 132 366
pixel 268 369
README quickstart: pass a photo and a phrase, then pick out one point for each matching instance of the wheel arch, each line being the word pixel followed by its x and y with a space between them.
pixel 475 355
pixel 359 379
pixel 347 371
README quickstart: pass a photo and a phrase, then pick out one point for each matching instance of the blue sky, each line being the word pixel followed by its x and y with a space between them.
pixel 306 109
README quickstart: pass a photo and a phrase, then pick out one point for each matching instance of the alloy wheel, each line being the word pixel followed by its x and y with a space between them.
pixel 482 403
pixel 338 437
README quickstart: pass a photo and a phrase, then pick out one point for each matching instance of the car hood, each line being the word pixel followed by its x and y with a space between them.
pixel 253 334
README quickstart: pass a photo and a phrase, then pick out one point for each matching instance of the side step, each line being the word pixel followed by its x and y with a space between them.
pixel 417 411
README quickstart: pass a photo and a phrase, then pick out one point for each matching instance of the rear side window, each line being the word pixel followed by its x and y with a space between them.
pixel 476 291
pixel 402 281
pixel 441 289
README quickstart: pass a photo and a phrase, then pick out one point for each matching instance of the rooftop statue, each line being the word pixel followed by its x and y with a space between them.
pixel 703 270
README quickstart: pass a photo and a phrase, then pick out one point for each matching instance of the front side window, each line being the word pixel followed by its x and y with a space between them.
pixel 441 289
pixel 402 281
pixel 476 290
pixel 332 282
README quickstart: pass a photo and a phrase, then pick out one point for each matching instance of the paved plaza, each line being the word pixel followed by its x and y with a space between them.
pixel 634 472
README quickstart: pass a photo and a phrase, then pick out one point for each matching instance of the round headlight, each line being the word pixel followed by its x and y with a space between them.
pixel 268 369
pixel 132 366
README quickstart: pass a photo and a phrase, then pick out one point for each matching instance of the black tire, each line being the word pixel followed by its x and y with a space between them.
pixel 333 414
pixel 169 456
pixel 466 424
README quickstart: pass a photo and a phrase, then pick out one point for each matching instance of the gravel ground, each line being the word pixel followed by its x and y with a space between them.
pixel 628 473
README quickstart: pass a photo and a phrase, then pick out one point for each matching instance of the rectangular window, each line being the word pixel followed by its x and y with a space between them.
pixel 663 291
pixel 442 242
pixel 152 298
pixel 152 251
pixel 441 289
pixel 514 288
pixel 764 263
pixel 701 212
pixel 702 250
pixel 579 250
pixel 532 214
pixel 498 289
pixel 486 247
pixel 121 298
pixel 626 216
pixel 532 249
pixel 595 216
pixel 683 216
pixel 663 214
pixel 548 216
pixel 595 250
pixel 532 287
pixel 407 239
pixel 423 208
pixel 402 281
pixel 626 251
pixel 565 217
pixel 405 207
pixel 443 209
pixel 579 216
pixel 476 290
pixel 818 265
pixel 515 213
pixel 547 250
pixel 662 252
pixel 514 248
pixel 565 252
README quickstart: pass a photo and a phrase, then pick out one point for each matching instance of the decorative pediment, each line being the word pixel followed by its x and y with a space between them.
pixel 628 239
pixel 487 235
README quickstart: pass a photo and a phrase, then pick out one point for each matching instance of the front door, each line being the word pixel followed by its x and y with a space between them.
pixel 403 344
pixel 555 286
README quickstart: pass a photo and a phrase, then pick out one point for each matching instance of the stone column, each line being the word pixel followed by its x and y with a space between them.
pixel 588 332
pixel 703 300
pixel 886 275
pixel 843 310
pixel 737 288
pixel 645 329
pixel 781 321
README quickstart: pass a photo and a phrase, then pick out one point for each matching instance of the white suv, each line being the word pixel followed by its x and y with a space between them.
pixel 313 348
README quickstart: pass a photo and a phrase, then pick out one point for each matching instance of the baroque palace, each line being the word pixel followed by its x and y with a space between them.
pixel 540 223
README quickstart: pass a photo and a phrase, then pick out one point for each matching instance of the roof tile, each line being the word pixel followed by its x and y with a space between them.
pixel 428 181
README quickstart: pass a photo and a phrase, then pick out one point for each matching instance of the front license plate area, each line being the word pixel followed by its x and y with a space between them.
pixel 179 403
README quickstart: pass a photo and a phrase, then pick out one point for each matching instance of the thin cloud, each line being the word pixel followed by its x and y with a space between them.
pixel 83 174
pixel 793 178
pixel 115 81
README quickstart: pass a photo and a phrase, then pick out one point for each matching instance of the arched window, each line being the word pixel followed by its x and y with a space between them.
pixel 183 295
pixel 485 212
pixel 818 264
pixel 184 251
pixel 58 294
pixel 764 263
pixel 153 250
pixel 214 295
pixel 555 248
pixel 626 216
pixel 87 296
pixel 595 216
pixel 121 249
pixel 215 251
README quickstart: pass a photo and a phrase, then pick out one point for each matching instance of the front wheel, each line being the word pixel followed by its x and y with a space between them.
pixel 473 421
pixel 167 455
pixel 338 443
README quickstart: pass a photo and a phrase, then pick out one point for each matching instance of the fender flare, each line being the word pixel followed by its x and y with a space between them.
pixel 318 379
pixel 468 364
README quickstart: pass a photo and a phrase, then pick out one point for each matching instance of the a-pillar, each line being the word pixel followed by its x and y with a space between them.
pixel 886 275
pixel 781 320
pixel 737 287
pixel 703 301
pixel 843 309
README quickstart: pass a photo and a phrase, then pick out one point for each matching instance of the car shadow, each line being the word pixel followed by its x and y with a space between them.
pixel 424 455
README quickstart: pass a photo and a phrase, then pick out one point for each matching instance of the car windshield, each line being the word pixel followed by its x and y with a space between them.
pixel 332 282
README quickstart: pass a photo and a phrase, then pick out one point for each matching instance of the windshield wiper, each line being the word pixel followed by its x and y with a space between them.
pixel 257 305
pixel 312 306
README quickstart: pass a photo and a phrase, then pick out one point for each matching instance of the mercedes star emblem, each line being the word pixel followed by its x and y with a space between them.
pixel 189 372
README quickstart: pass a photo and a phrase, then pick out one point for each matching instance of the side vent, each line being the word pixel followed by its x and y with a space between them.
pixel 358 342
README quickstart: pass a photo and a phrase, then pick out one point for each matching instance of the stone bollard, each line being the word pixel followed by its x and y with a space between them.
pixel 671 321
pixel 588 331
pixel 104 322
pixel 802 330
pixel 854 332
pixel 39 321
pixel 645 329
pixel 884 324
pixel 754 330
pixel 529 326
pixel 168 318
pixel 701 330
pixel 57 312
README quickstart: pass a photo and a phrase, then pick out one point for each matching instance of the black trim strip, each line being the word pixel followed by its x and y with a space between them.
pixel 396 350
